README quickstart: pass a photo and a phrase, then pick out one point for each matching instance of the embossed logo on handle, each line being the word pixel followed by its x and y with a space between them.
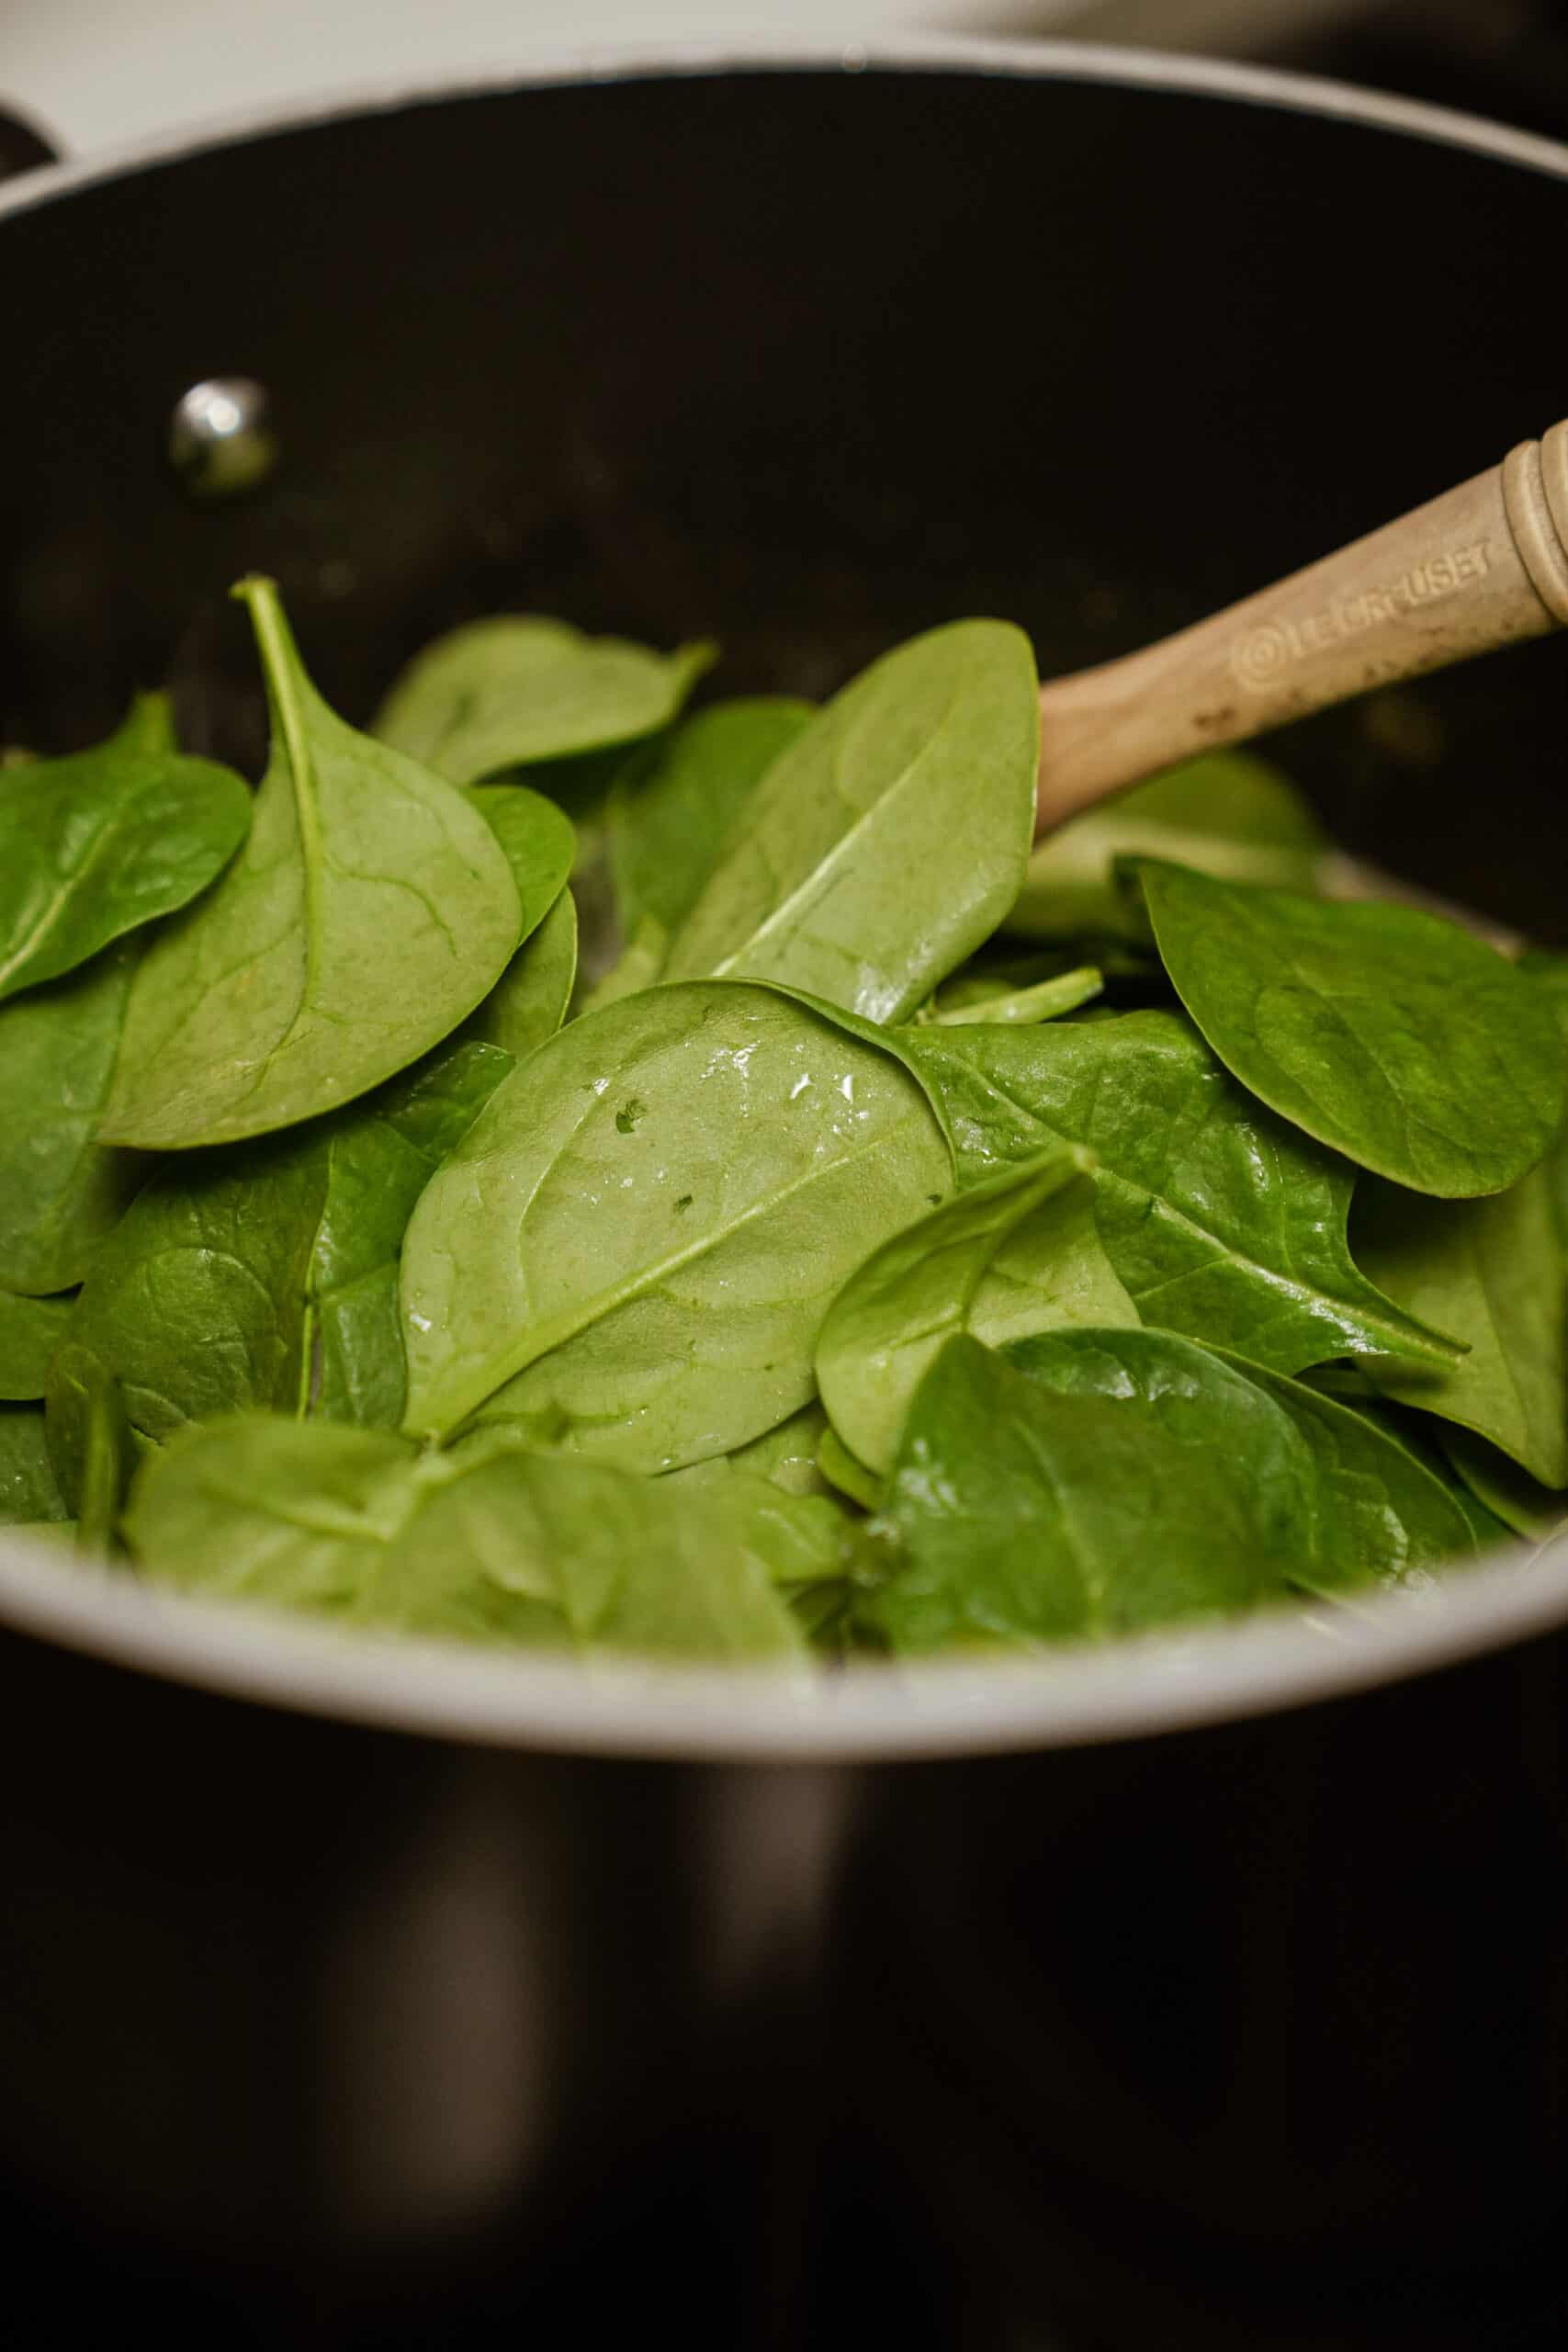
pixel 1260 655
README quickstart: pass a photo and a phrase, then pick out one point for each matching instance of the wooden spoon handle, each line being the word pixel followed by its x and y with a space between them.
pixel 1481 566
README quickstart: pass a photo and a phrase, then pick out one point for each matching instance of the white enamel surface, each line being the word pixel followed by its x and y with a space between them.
pixel 1286 1659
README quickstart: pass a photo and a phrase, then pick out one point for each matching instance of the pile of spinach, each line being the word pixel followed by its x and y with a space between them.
pixel 897 1239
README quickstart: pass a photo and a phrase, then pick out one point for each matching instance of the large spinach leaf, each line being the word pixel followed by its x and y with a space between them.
pixel 1492 1273
pixel 510 692
pixel 1398 1038
pixel 265 1273
pixel 31 1331
pixel 60 1191
pixel 1220 1220
pixel 488 1541
pixel 1093 1483
pixel 93 846
pixel 633 1246
pixel 1227 814
pixel 270 1001
pixel 1017 1253
pixel 674 806
pixel 890 838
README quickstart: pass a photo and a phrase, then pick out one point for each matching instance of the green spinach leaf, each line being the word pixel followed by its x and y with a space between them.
pixel 273 1000
pixel 674 806
pixel 890 838
pixel 28 1492
pixel 539 843
pixel 488 1541
pixel 265 1273
pixel 529 1001
pixel 95 845
pixel 1492 1273
pixel 1026 1488
pixel 1219 1219
pixel 1398 1038
pixel 633 1246
pixel 1017 1253
pixel 1019 1008
pixel 60 1191
pixel 1227 814
pixel 509 692
pixel 31 1331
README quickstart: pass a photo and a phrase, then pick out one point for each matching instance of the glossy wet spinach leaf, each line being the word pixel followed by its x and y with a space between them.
pixel 31 1331
pixel 890 838
pixel 1494 1272
pixel 269 1001
pixel 95 845
pixel 265 1273
pixel 1395 1037
pixel 1220 1219
pixel 1094 1483
pixel 487 1542
pixel 632 1248
pixel 512 691
pixel 61 1191
pixel 1017 1253
pixel 674 806
pixel 1227 814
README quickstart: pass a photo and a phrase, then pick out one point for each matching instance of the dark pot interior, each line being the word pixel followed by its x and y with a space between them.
pixel 806 360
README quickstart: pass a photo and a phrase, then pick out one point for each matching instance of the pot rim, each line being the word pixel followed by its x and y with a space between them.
pixel 1283 1657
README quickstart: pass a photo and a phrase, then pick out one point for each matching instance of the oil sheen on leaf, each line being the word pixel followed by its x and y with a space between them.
pixel 269 1001
pixel 633 1245
pixel 890 838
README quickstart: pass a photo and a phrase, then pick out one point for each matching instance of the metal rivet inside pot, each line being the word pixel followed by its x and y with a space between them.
pixel 220 440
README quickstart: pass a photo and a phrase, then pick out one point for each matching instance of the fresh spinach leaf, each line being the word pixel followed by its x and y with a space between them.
pixel 1395 1037
pixel 633 1246
pixel 508 692
pixel 1024 1511
pixel 95 845
pixel 539 843
pixel 92 1448
pixel 488 1541
pixel 1219 1219
pixel 1515 1502
pixel 1227 814
pixel 1381 1516
pixel 272 999
pixel 637 968
pixel 674 806
pixel 265 1273
pixel 1027 1485
pixel 31 1331
pixel 1020 1008
pixel 1492 1273
pixel 1017 1253
pixel 60 1191
pixel 841 1470
pixel 890 838
pixel 28 1492
pixel 529 1001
